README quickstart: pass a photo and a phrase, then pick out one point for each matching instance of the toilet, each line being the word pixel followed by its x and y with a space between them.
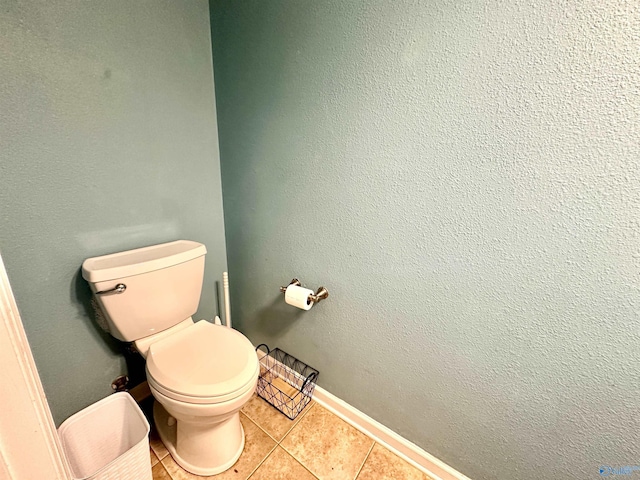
pixel 200 374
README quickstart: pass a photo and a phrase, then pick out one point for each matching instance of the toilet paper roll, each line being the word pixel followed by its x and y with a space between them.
pixel 298 297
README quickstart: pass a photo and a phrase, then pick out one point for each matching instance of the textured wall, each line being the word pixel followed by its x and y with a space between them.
pixel 107 142
pixel 464 178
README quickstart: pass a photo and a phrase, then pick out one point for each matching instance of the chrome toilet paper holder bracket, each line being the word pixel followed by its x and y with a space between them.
pixel 321 294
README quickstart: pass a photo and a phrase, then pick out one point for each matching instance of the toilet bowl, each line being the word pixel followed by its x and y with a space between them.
pixel 201 377
pixel 200 374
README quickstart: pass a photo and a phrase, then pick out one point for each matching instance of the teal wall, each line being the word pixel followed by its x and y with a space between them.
pixel 463 177
pixel 108 142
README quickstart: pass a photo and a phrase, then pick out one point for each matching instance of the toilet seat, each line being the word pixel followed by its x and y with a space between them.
pixel 203 364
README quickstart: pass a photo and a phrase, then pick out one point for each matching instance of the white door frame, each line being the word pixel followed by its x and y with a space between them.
pixel 29 444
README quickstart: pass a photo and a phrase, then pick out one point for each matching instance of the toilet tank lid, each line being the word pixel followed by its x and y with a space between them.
pixel 141 260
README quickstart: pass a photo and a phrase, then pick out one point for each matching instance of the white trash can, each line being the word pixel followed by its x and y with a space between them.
pixel 108 440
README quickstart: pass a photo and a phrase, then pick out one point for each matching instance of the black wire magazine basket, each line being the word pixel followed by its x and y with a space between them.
pixel 285 382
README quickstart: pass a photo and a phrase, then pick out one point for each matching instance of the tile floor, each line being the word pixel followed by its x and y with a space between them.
pixel 316 445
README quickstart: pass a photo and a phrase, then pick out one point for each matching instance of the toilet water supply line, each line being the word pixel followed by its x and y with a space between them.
pixel 227 303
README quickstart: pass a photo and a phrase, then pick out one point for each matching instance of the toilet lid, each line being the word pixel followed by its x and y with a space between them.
pixel 204 360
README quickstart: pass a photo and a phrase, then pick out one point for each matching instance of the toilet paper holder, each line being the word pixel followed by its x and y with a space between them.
pixel 321 294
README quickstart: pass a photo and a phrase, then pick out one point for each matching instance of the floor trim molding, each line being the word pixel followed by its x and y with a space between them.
pixel 402 447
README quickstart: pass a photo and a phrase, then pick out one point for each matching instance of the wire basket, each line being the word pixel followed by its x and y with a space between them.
pixel 285 382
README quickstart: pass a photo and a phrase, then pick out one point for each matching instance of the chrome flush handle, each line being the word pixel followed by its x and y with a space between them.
pixel 119 288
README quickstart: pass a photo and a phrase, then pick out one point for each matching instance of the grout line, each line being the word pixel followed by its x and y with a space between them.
pixel 310 472
pixel 294 422
pixel 263 460
pixel 160 457
pixel 258 425
pixel 268 454
pixel 285 449
pixel 171 475
pixel 366 457
pixel 297 422
pixel 153 456
pixel 296 459
pixel 166 471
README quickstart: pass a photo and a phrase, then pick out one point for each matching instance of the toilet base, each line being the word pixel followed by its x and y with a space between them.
pixel 168 434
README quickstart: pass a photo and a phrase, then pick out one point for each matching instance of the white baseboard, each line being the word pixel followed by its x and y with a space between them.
pixel 386 437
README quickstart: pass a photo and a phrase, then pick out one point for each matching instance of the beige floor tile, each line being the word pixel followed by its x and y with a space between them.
pixel 281 466
pixel 156 445
pixel 256 448
pixel 154 458
pixel 159 473
pixel 329 447
pixel 269 419
pixel 381 464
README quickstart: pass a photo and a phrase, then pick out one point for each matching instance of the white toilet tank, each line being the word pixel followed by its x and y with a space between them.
pixel 162 287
